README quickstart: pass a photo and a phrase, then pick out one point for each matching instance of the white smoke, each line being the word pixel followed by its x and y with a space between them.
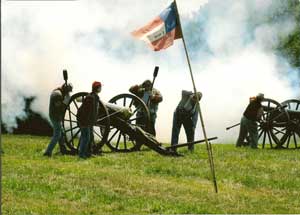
pixel 91 39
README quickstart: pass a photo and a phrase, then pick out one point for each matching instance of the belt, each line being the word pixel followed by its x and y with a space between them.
pixel 183 111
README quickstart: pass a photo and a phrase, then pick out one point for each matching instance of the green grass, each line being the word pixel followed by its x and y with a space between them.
pixel 249 181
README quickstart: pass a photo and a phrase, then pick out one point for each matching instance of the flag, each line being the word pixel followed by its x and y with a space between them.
pixel 162 31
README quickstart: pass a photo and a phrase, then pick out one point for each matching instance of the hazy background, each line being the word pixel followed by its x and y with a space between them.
pixel 230 43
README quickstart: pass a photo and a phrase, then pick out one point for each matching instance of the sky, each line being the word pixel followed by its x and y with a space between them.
pixel 230 45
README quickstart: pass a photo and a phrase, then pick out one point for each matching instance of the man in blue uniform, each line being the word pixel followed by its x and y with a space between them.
pixel 186 114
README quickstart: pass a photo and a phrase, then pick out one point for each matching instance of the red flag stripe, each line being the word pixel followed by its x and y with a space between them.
pixel 147 28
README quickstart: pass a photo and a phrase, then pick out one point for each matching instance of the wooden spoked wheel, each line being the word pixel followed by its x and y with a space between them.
pixel 291 133
pixel 272 123
pixel 72 130
pixel 122 139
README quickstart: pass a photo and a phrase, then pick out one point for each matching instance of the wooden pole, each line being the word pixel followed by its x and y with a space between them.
pixel 208 144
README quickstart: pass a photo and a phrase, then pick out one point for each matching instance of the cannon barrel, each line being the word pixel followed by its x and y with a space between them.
pixel 123 112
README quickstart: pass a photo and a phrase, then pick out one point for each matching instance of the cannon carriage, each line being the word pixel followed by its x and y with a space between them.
pixel 122 125
pixel 109 129
pixel 279 126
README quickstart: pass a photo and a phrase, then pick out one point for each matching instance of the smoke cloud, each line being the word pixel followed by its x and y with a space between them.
pixel 230 43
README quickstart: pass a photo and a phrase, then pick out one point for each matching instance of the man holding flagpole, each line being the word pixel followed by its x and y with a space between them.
pixel 185 114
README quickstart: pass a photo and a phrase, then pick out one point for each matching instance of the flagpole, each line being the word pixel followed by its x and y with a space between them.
pixel 208 144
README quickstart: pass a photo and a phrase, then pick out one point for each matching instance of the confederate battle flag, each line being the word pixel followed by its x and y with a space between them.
pixel 162 31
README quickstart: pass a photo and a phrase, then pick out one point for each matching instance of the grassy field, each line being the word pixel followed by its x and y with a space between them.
pixel 249 181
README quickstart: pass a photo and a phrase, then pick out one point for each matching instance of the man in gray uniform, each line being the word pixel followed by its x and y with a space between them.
pixel 59 99
pixel 186 114
pixel 249 120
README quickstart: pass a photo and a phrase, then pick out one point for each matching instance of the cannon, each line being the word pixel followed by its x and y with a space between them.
pixel 109 128
pixel 118 126
pixel 279 126
pixel 122 125
pixel 290 134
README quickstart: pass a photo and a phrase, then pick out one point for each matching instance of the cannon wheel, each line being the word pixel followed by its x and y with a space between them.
pixel 271 123
pixel 118 139
pixel 291 136
pixel 71 127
